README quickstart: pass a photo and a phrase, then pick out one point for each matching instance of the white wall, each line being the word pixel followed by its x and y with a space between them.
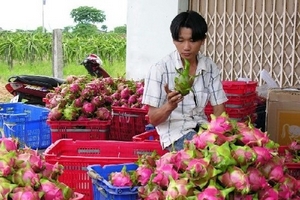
pixel 148 33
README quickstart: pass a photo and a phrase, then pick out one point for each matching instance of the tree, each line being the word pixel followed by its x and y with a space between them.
pixel 120 29
pixel 85 30
pixel 104 28
pixel 86 14
pixel 86 18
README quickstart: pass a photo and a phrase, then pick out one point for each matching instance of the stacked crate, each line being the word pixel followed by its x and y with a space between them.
pixel 241 104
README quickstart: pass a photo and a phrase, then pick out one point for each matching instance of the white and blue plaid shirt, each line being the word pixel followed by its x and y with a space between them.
pixel 190 112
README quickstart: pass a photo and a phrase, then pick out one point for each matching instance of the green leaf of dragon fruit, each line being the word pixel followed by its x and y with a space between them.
pixel 244 155
pixel 212 192
pixel 184 81
pixel 179 189
pixel 221 157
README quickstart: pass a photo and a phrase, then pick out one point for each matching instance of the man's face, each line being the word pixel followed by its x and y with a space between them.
pixel 185 45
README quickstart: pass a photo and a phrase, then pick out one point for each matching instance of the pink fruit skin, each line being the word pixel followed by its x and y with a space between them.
pixel 52 192
pixel 25 195
pixel 256 179
pixel 10 144
pixel 120 179
pixel 219 124
pixel 235 177
pixel 163 173
pixel 144 174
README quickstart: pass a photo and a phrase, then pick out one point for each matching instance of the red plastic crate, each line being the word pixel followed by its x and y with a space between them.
pixel 127 122
pixel 79 130
pixel 293 169
pixel 239 87
pixel 75 156
pixel 148 136
pixel 236 113
pixel 241 100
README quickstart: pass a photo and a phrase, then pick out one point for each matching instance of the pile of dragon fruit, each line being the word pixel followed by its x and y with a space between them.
pixel 228 160
pixel 24 174
pixel 85 97
pixel 292 152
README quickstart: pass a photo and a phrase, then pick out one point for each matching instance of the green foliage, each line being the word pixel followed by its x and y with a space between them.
pixel 86 14
pixel 85 30
pixel 120 29
pixel 30 47
pixel 45 68
pixel 67 29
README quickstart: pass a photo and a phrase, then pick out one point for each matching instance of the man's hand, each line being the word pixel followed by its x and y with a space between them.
pixel 160 115
pixel 173 97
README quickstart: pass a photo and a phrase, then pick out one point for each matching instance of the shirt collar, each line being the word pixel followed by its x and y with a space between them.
pixel 201 62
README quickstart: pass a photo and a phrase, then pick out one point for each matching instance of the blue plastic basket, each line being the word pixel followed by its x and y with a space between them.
pixel 103 190
pixel 27 123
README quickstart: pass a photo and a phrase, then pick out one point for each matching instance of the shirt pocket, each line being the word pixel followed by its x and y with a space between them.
pixel 201 98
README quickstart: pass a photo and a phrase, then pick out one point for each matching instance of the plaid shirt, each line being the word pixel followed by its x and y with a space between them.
pixel 207 87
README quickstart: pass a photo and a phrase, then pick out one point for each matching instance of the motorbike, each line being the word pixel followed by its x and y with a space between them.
pixel 32 89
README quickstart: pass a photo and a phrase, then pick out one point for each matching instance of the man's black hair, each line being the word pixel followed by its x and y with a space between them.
pixel 189 19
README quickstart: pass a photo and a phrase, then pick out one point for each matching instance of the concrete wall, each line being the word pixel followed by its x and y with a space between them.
pixel 148 34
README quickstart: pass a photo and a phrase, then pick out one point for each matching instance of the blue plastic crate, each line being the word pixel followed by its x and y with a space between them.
pixel 27 123
pixel 103 190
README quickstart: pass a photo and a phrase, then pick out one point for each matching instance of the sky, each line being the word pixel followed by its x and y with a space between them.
pixel 28 14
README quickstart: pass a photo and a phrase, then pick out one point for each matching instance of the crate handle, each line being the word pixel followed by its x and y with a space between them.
pixel 10 126
pixel 94 175
pixel 100 189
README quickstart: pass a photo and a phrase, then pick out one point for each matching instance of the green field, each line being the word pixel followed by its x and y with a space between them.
pixel 45 68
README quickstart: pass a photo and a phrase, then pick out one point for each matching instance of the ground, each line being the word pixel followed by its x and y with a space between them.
pixel 5 96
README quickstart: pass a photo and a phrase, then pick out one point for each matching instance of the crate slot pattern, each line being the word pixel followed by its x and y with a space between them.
pixel 76 155
pixel 27 123
pixel 127 122
pixel 79 130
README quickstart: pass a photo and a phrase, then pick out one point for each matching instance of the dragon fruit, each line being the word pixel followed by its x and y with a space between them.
pixel 150 192
pixel 26 177
pixel 50 189
pixel 243 155
pixel 256 179
pixel 103 113
pixel 184 81
pixel 32 157
pixel 88 108
pixel 144 173
pixel 163 174
pixel 219 124
pixel 203 138
pixel 8 143
pixel 197 168
pixel 24 193
pixel 6 188
pixel 235 177
pixel 211 192
pixel 229 160
pixel 52 171
pixel 221 156
pixel 70 112
pixel 264 155
pixel 55 113
pixel 120 179
pixel 269 193
pixel 179 189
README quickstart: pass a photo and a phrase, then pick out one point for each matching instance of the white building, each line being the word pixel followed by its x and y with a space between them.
pixel 148 33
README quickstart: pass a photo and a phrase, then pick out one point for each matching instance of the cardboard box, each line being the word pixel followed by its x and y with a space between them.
pixel 283 115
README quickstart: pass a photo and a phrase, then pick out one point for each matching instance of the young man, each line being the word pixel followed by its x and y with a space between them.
pixel 177 118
